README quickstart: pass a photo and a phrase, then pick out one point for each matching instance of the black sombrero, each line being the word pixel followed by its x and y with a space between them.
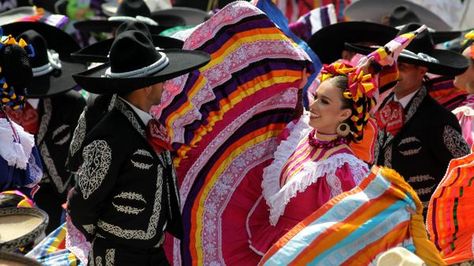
pixel 98 52
pixel 394 13
pixel 191 16
pixel 52 74
pixel 328 42
pixel 20 227
pixel 130 10
pixel 188 15
pixel 135 63
pixel 421 52
pixel 58 40
pixel 399 14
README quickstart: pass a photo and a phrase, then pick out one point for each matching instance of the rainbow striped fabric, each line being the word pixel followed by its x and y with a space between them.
pixel 355 227
pixel 442 89
pixel 52 250
pixel 224 120
pixel 389 53
pixel 449 219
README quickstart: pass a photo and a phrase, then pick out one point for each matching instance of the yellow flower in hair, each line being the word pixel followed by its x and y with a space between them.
pixel 469 35
pixel 22 43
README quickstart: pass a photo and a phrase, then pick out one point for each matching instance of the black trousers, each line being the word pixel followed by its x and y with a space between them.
pixel 105 252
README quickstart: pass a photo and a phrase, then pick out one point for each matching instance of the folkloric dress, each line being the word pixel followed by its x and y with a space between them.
pixel 465 115
pixel 305 174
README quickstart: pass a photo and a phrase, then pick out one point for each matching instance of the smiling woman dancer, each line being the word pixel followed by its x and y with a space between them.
pixel 315 163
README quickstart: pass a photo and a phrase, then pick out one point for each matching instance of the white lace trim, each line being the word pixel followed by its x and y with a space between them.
pixel 278 197
pixel 465 110
pixel 16 154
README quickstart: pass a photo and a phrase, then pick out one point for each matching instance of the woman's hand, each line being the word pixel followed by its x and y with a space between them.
pixel 365 64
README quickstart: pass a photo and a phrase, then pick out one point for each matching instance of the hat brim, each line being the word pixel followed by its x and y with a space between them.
pixel 191 16
pixel 109 26
pixel 440 36
pixel 328 42
pixel 180 62
pixel 6 258
pixel 444 36
pixel 109 9
pixel 98 52
pixel 15 14
pixel 34 232
pixel 55 82
pixel 56 38
pixel 376 10
pixel 449 63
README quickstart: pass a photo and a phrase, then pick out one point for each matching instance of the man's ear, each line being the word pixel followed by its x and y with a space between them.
pixel 148 90
pixel 423 70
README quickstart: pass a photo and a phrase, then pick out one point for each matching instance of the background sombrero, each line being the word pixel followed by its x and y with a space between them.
pixel 20 227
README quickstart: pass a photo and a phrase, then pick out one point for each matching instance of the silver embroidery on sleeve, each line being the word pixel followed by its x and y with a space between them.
pixel 454 142
pixel 420 178
pixel 51 168
pixel 415 104
pixel 140 165
pixel 60 130
pixel 44 123
pixel 90 228
pixel 129 209
pixel 91 257
pixel 425 191
pixel 79 134
pixel 98 261
pixel 131 196
pixel 413 141
pixel 154 218
pixel 110 257
pixel 97 159
pixel 143 152
pixel 388 157
pixel 120 105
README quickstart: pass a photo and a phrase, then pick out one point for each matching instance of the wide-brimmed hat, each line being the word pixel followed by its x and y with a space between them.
pixel 57 39
pixel 131 10
pixel 396 12
pixel 399 13
pixel 51 73
pixel 135 63
pixel 20 227
pixel 190 16
pixel 328 42
pixel 98 52
pixel 8 258
pixel 421 52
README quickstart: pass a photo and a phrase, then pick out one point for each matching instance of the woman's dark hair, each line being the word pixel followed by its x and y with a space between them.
pixel 342 83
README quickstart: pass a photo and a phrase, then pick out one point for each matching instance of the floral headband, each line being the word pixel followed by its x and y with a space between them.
pixel 361 89
pixel 8 97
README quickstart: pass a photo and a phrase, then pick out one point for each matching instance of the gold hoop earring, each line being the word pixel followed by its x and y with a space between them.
pixel 343 129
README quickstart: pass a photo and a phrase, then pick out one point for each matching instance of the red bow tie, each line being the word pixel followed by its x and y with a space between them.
pixel 391 117
pixel 158 137
pixel 27 117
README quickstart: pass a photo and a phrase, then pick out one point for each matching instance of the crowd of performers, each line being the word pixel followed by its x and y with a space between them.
pixel 233 137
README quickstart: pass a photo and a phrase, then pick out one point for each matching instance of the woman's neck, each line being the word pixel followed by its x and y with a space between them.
pixel 325 136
